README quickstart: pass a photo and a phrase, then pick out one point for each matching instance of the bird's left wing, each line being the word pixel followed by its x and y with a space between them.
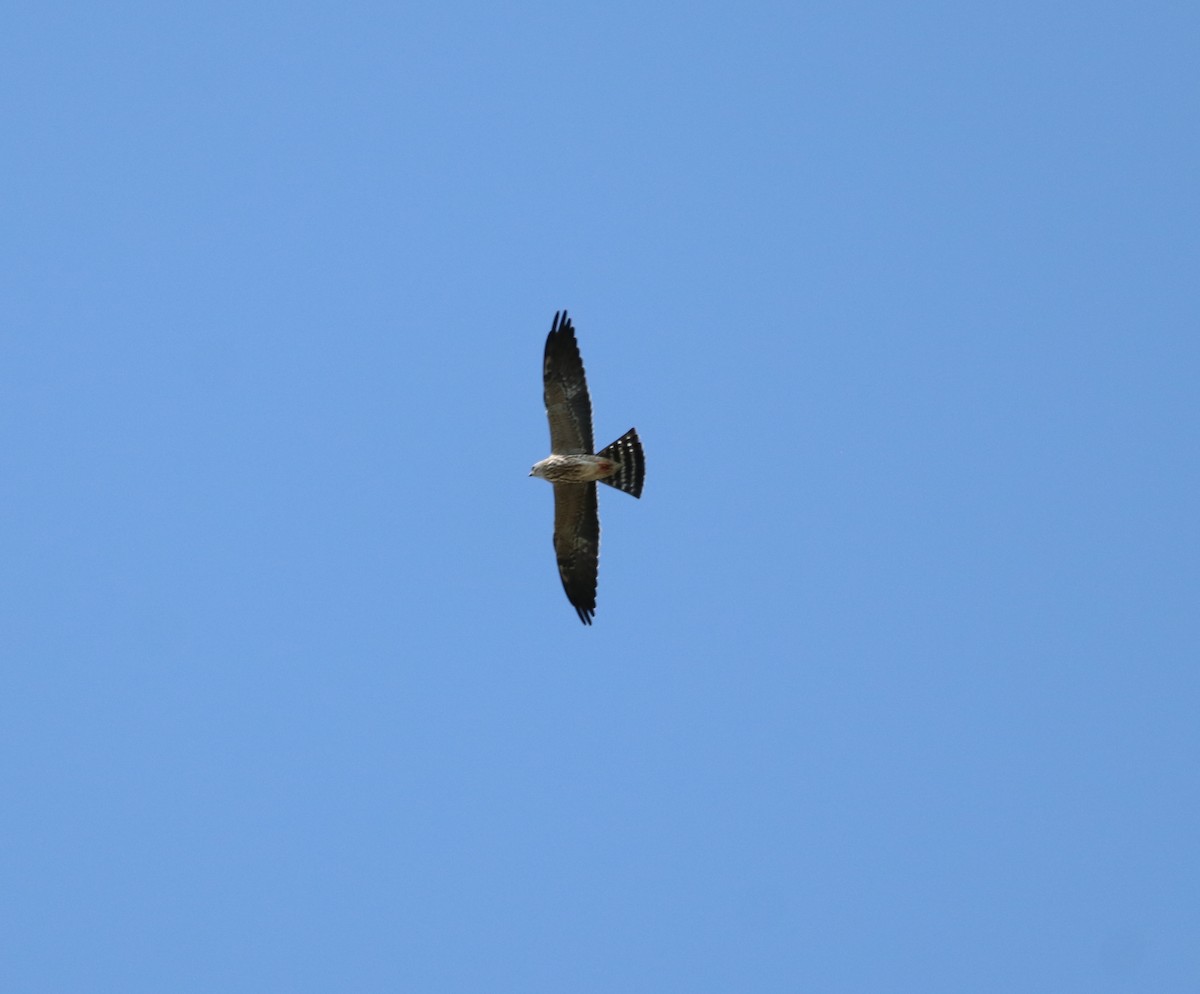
pixel 568 406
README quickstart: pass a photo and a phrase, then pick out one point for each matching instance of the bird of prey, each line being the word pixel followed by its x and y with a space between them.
pixel 574 468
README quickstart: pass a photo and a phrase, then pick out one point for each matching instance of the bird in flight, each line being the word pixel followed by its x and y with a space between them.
pixel 574 469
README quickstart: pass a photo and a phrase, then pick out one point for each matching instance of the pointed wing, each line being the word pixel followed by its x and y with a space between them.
pixel 577 544
pixel 568 406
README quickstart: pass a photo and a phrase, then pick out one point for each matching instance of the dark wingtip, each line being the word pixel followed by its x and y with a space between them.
pixel 562 334
pixel 582 608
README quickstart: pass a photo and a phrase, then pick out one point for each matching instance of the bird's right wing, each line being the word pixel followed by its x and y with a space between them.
pixel 577 544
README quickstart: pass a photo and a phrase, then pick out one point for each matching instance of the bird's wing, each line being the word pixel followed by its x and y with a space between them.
pixel 568 406
pixel 577 544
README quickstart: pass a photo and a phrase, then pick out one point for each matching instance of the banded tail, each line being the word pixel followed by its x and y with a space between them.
pixel 627 450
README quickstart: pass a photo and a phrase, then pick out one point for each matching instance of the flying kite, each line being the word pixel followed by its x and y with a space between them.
pixel 574 469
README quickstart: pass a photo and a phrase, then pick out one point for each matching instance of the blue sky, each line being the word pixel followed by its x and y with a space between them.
pixel 893 682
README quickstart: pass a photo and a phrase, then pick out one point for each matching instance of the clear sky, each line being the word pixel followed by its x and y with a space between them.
pixel 893 684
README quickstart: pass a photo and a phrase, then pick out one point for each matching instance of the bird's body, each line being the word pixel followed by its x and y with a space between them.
pixel 575 470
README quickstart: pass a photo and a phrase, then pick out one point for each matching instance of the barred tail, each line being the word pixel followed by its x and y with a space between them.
pixel 627 450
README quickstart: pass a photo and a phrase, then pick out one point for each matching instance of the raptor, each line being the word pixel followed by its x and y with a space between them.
pixel 575 468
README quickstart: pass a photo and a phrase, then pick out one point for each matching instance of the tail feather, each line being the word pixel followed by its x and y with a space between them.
pixel 627 450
